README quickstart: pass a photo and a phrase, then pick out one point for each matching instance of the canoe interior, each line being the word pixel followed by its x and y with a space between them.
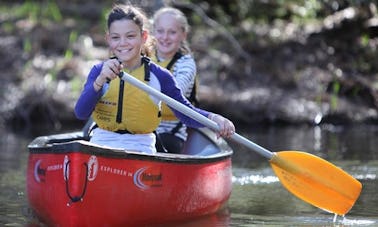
pixel 202 145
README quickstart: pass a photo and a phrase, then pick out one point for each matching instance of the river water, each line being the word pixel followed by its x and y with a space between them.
pixel 258 198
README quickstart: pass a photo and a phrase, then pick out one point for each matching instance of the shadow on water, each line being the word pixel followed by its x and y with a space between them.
pixel 258 198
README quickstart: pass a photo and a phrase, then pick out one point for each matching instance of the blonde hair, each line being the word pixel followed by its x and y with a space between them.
pixel 180 18
pixel 129 12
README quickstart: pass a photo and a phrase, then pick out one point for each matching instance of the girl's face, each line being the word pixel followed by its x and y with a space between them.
pixel 169 35
pixel 125 40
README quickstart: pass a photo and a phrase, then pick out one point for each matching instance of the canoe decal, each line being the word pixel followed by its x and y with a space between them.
pixel 66 172
pixel 39 173
pixel 145 178
pixel 113 170
pixel 92 168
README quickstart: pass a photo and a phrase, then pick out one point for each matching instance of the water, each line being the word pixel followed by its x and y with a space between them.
pixel 258 198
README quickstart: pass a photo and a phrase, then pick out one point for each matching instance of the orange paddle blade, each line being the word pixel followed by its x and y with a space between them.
pixel 316 181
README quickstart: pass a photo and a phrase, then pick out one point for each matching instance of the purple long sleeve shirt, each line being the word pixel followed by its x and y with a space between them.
pixel 89 96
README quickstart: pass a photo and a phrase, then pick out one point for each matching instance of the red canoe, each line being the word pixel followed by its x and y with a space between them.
pixel 71 182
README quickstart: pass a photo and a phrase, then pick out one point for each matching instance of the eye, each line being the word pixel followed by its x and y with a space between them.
pixel 159 31
pixel 172 32
pixel 131 36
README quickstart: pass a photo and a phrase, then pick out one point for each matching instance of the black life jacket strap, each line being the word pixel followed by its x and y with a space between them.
pixel 176 128
pixel 177 56
pixel 146 63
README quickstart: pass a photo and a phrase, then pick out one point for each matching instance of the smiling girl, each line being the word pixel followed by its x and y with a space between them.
pixel 170 28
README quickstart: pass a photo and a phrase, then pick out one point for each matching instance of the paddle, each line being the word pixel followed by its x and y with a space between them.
pixel 307 176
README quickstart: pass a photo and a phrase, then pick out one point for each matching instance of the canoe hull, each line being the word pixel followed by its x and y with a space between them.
pixel 76 188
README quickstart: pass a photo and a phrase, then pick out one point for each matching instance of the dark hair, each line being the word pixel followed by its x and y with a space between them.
pixel 129 12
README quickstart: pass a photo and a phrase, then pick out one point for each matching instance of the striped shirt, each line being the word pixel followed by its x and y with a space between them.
pixel 184 71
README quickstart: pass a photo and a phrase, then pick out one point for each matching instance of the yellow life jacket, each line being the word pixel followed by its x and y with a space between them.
pixel 166 112
pixel 126 107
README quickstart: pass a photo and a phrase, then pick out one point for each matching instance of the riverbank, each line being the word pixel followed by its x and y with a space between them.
pixel 322 71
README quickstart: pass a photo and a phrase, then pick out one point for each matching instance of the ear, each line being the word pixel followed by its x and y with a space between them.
pixel 144 35
pixel 107 38
pixel 184 36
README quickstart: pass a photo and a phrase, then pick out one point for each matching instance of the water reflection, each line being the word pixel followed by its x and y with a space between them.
pixel 258 191
pixel 352 143
pixel 258 198
pixel 12 180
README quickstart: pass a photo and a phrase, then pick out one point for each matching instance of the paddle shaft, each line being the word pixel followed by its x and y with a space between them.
pixel 194 115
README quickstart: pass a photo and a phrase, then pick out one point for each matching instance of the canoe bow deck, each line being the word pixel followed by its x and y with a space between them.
pixel 71 182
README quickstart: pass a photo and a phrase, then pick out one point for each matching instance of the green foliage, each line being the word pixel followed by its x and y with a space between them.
pixel 52 10
pixel 231 12
pixel 27 46
pixel 71 40
pixel 7 27
pixel 28 9
pixel 68 54
pixel 364 40
pixel 76 85
pixel 34 11
pixel 334 95
pixel 104 14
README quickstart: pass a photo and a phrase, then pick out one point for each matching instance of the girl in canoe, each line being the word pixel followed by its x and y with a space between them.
pixel 126 117
pixel 170 29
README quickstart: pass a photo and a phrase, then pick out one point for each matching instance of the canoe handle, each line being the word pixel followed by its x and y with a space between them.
pixel 74 199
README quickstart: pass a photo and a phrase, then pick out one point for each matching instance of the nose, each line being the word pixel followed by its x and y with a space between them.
pixel 123 41
pixel 164 35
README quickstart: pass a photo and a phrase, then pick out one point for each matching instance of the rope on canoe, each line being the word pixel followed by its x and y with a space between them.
pixel 74 199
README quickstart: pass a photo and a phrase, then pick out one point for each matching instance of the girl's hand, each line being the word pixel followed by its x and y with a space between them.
pixel 226 127
pixel 110 70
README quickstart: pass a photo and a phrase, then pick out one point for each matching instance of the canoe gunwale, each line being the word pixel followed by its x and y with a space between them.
pixel 76 142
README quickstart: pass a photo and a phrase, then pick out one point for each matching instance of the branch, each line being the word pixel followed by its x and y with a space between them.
pixel 215 25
